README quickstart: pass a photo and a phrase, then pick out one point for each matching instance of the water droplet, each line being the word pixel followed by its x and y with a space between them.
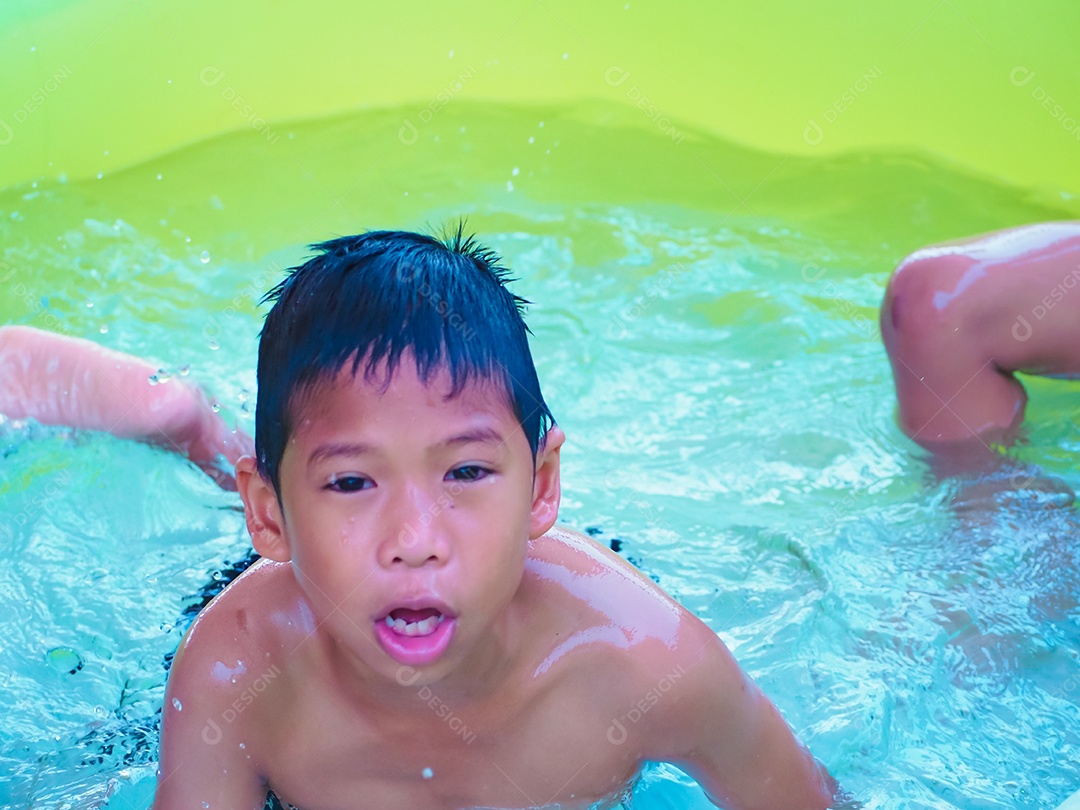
pixel 509 186
pixel 204 257
pixel 89 304
pixel 427 773
pixel 104 329
pixel 566 56
pixel 515 172
pixel 176 704
pixel 159 177
pixel 242 745
pixel 213 345
pixel 215 408
pixel 532 139
pixel 100 175
pixel 166 626
pixel 206 805
pixel 184 370
pixel 153 379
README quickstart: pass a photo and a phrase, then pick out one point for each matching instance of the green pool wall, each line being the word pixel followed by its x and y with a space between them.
pixel 93 86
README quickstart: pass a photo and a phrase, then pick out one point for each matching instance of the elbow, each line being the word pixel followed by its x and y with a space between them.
pixel 915 299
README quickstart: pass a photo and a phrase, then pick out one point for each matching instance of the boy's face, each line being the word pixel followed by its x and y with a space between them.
pixel 406 516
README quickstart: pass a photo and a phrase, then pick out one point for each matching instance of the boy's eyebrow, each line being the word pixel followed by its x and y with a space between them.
pixel 477 435
pixel 326 451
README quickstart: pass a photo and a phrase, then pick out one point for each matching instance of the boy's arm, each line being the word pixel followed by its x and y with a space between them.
pixel 204 761
pixel 60 380
pixel 719 727
pixel 959 318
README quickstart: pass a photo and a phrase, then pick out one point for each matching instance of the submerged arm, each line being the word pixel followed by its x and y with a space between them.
pixel 723 731
pixel 60 380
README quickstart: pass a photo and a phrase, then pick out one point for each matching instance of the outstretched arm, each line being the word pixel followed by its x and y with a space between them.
pixel 719 727
pixel 60 380
pixel 959 318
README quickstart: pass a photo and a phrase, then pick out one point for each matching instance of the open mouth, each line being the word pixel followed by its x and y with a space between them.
pixel 415 636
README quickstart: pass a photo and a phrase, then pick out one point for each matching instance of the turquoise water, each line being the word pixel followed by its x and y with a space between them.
pixel 705 330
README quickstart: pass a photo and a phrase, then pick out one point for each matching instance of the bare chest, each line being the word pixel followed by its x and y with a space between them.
pixel 451 756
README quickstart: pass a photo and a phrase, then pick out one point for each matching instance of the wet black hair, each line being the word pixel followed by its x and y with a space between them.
pixel 368 298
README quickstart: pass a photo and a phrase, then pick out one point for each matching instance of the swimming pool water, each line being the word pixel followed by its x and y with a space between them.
pixel 705 331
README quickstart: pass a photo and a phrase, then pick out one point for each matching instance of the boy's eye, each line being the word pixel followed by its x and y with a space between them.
pixel 349 483
pixel 469 472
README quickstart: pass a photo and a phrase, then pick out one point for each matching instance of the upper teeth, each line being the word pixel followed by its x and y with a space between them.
pixel 421 628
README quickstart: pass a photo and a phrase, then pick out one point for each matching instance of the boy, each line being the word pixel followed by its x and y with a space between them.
pixel 419 634
pixel 961 317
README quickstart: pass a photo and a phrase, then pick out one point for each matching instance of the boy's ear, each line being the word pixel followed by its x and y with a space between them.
pixel 547 489
pixel 262 511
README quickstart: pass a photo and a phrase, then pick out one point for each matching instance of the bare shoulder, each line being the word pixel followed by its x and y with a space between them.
pixel 597 585
pixel 666 686
pixel 217 715
pixel 621 620
pixel 245 638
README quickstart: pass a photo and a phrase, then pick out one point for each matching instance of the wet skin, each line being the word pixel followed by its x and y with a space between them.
pixel 60 380
pixel 539 667
pixel 960 317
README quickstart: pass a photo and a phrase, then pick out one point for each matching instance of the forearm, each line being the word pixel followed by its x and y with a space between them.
pixel 60 380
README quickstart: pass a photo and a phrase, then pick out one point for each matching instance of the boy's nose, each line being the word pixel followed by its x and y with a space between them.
pixel 419 539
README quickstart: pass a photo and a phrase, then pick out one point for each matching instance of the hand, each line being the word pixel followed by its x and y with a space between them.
pixel 211 444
